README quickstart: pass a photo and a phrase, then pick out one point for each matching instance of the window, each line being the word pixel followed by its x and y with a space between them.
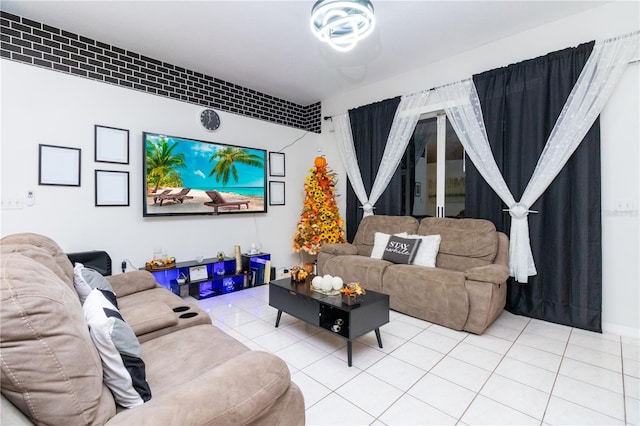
pixel 433 170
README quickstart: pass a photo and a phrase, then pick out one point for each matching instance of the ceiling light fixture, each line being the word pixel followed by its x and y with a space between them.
pixel 342 23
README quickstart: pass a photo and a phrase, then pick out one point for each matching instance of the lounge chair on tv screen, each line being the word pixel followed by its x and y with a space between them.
pixel 157 196
pixel 178 197
pixel 217 201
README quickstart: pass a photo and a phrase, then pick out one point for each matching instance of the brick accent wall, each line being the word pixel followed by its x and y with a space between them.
pixel 41 45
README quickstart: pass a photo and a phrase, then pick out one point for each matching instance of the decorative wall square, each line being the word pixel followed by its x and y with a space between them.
pixel 111 145
pixel 112 188
pixel 276 164
pixel 276 193
pixel 58 165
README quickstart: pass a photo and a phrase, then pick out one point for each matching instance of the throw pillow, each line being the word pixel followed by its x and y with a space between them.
pixel 380 240
pixel 119 349
pixel 428 250
pixel 86 279
pixel 401 250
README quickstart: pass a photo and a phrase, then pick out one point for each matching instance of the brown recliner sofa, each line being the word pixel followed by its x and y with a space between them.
pixel 51 372
pixel 465 291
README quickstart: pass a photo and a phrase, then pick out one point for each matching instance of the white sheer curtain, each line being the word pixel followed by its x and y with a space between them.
pixel 594 86
pixel 404 122
pixel 348 155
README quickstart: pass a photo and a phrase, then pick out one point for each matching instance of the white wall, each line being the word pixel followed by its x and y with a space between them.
pixel 619 135
pixel 45 107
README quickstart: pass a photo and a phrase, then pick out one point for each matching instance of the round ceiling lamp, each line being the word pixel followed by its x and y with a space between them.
pixel 342 23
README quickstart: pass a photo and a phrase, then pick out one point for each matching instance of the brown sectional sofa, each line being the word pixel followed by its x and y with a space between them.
pixel 52 374
pixel 465 291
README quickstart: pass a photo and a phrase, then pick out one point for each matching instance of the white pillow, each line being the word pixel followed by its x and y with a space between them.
pixel 86 279
pixel 428 250
pixel 119 349
pixel 379 243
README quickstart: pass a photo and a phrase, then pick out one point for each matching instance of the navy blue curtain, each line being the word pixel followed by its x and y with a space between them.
pixel 520 105
pixel 370 125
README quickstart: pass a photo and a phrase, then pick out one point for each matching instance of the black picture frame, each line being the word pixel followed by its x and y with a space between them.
pixel 112 188
pixel 111 145
pixel 276 193
pixel 58 165
pixel 276 164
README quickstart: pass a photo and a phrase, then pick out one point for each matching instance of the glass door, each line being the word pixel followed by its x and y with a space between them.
pixel 454 180
pixel 438 175
pixel 425 188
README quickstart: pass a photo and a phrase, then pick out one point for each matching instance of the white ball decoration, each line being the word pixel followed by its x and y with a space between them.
pixel 317 282
pixel 326 284
pixel 337 283
pixel 327 277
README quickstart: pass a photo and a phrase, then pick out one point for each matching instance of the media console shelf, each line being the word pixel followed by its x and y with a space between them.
pixel 208 278
pixel 258 265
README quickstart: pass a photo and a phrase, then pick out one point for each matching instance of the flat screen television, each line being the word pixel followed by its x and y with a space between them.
pixel 192 177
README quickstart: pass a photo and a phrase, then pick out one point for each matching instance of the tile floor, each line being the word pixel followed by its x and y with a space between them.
pixel 520 371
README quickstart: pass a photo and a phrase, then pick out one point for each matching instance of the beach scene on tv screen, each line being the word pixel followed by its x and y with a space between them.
pixel 184 176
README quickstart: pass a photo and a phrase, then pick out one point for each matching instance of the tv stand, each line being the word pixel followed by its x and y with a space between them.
pixel 208 278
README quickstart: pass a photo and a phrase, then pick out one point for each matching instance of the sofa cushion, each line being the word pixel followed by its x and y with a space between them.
pixel 44 334
pixel 87 279
pixel 401 250
pixel 356 268
pixel 131 305
pixel 132 282
pixel 365 236
pixel 119 349
pixel 180 357
pixel 464 244
pixel 433 294
pixel 241 390
pixel 151 316
pixel 42 249
pixel 339 249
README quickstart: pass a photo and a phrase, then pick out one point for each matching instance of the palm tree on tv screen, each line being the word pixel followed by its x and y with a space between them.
pixel 161 164
pixel 227 157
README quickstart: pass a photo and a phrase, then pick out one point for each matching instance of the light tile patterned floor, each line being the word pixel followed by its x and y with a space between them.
pixel 520 371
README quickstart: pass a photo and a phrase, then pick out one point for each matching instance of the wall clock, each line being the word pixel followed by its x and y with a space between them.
pixel 210 119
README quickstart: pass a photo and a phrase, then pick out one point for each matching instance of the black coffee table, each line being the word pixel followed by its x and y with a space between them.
pixel 328 312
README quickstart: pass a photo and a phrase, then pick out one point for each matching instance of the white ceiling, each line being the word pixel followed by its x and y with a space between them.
pixel 267 45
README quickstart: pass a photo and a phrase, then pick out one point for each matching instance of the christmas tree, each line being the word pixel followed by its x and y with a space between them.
pixel 320 221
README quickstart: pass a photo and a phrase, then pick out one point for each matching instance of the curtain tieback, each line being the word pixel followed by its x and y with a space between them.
pixel 521 265
pixel 519 211
pixel 367 208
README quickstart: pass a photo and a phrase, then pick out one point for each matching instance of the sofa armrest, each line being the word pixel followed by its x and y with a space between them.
pixel 496 274
pixel 235 392
pixel 339 249
pixel 132 282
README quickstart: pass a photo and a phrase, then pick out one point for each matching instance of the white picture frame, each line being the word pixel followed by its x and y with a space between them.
pixel 111 145
pixel 58 165
pixel 112 188
pixel 198 273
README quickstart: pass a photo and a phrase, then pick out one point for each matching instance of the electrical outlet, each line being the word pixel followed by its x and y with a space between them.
pixel 11 204
pixel 623 206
